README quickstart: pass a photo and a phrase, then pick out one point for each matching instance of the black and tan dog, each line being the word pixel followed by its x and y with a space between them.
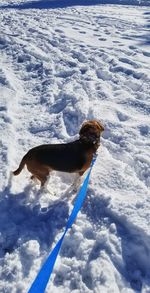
pixel 71 157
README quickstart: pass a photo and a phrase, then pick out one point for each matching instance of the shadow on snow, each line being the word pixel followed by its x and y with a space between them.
pixel 19 222
pixel 52 4
pixel 134 243
pixel 145 39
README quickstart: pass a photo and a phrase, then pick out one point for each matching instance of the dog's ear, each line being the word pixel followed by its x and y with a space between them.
pixel 100 125
pixel 84 126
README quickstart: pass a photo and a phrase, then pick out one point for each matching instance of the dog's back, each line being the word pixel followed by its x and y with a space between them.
pixel 68 157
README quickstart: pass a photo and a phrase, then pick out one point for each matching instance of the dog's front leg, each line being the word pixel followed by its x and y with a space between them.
pixel 77 182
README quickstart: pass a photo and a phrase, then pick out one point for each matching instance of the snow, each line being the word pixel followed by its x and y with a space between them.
pixel 62 63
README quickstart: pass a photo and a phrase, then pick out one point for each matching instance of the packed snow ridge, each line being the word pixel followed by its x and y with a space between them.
pixel 60 66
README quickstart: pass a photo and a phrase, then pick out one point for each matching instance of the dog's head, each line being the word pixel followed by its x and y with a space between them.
pixel 91 131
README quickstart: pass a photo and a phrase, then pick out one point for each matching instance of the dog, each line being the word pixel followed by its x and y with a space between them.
pixel 72 157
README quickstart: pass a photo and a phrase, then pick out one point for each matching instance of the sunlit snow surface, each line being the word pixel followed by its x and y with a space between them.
pixel 60 66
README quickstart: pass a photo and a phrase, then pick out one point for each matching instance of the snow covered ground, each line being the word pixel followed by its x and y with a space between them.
pixel 58 67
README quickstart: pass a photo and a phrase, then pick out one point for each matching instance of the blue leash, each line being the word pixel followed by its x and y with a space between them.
pixel 40 282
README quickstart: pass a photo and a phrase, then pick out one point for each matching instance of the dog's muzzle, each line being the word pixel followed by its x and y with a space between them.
pixel 92 138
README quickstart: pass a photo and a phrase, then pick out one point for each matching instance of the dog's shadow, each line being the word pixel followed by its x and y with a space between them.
pixel 21 222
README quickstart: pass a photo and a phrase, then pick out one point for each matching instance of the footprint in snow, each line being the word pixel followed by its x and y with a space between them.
pixel 82 32
pixel 122 117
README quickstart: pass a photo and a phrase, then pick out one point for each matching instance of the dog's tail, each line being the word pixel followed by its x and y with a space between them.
pixel 21 166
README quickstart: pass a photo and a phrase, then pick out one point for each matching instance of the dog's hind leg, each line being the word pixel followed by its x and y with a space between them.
pixel 38 171
pixel 41 176
pixel 34 179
